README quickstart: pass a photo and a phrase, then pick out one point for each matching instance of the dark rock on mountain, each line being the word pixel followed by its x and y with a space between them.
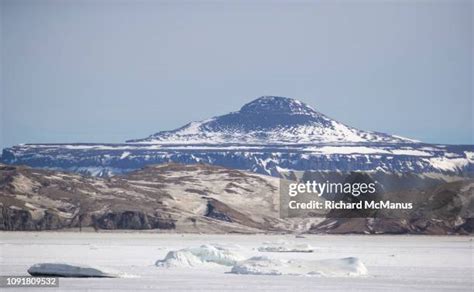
pixel 131 220
pixel 446 208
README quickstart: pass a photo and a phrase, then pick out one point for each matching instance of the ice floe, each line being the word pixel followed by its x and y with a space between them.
pixel 284 246
pixel 69 270
pixel 207 254
pixel 262 265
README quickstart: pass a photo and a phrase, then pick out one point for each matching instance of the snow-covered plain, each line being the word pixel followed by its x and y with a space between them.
pixel 429 263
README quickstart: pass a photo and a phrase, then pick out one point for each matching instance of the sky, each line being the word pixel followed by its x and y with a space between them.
pixel 109 71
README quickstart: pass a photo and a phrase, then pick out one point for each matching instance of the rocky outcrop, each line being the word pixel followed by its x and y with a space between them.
pixel 209 199
pixel 131 220
pixel 187 198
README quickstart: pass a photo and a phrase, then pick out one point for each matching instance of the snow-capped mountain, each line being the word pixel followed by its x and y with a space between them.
pixel 269 135
pixel 269 120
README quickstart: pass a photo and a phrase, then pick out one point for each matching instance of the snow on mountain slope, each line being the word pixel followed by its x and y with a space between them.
pixel 269 119
pixel 112 159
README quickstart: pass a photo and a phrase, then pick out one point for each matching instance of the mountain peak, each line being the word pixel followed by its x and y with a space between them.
pixel 277 105
pixel 268 120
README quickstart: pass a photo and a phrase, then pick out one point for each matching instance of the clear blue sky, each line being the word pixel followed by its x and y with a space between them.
pixel 108 71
